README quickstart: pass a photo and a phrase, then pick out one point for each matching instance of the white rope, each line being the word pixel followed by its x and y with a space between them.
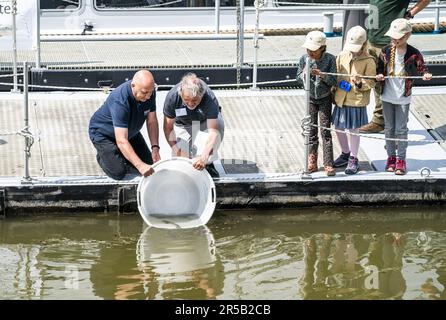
pixel 368 136
pixel 11 75
pixel 229 85
pixel 251 83
pixel 57 87
pixel 261 178
pixel 65 88
pixel 24 132
pixel 9 133
pixel 374 77
pixel 159 86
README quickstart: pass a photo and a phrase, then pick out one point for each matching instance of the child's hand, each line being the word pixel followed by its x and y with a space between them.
pixel 356 78
pixel 380 77
pixel 316 72
pixel 427 76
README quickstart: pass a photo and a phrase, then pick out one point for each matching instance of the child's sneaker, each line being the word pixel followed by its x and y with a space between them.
pixel 312 163
pixel 352 165
pixel 342 160
pixel 329 171
pixel 400 167
pixel 390 164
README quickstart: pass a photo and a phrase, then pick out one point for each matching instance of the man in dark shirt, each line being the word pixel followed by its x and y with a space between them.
pixel 115 128
pixel 382 13
pixel 189 109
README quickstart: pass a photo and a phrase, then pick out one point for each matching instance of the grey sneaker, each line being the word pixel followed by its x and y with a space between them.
pixel 342 160
pixel 352 166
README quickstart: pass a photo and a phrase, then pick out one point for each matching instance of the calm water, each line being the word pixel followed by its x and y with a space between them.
pixel 336 253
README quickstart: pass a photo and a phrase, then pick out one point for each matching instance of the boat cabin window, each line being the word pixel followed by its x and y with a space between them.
pixel 126 4
pixel 59 4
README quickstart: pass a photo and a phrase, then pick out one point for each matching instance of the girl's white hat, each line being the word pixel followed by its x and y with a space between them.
pixel 356 37
pixel 314 40
pixel 399 28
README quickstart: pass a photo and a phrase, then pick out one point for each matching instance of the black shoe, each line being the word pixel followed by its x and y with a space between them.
pixel 342 160
pixel 212 171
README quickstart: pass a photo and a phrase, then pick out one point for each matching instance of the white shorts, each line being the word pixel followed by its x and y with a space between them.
pixel 192 139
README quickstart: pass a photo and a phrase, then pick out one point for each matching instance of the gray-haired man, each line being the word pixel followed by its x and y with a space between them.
pixel 190 109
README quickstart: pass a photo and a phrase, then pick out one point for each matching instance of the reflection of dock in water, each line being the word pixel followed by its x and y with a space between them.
pixel 239 255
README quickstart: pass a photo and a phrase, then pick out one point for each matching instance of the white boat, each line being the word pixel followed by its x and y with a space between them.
pixel 138 16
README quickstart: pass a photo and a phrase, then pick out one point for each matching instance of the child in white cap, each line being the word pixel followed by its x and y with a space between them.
pixel 320 97
pixel 352 95
pixel 398 59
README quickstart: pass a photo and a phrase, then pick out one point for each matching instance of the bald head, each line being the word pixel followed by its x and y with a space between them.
pixel 143 85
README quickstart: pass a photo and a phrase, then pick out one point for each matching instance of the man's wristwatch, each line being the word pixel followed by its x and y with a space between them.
pixel 155 146
pixel 408 15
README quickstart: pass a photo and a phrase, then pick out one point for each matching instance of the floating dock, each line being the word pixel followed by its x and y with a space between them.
pixel 261 157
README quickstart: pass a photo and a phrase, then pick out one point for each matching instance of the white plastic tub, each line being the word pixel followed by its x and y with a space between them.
pixel 176 195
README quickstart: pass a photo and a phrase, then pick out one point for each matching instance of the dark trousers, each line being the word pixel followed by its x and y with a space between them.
pixel 113 162
pixel 321 107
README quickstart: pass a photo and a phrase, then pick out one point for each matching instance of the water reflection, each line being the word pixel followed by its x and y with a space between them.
pixel 182 262
pixel 239 255
pixel 353 266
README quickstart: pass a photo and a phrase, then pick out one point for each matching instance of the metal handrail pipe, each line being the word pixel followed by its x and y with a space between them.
pixel 315 8
pixel 331 8
pixel 71 38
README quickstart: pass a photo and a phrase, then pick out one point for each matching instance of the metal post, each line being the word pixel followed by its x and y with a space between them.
pixel 437 19
pixel 257 4
pixel 239 42
pixel 15 88
pixel 242 31
pixel 217 16
pixel 307 119
pixel 38 59
pixel 328 23
pixel 26 177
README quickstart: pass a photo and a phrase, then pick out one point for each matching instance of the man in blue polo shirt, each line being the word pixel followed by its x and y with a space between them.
pixel 191 107
pixel 115 128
